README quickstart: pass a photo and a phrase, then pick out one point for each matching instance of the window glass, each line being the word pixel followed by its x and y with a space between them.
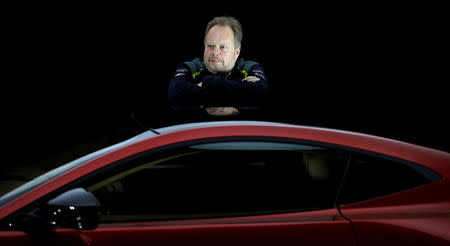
pixel 223 179
pixel 370 177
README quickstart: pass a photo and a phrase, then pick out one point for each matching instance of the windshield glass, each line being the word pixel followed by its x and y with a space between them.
pixel 64 168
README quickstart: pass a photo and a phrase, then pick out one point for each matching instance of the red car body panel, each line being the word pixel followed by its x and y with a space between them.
pixel 292 229
pixel 420 224
pixel 401 213
pixel 15 238
pixel 280 229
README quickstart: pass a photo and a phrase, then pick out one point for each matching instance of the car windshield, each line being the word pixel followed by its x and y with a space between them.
pixel 8 197
pixel 26 187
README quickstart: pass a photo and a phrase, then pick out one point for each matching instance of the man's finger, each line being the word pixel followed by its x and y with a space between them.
pixel 222 111
pixel 251 78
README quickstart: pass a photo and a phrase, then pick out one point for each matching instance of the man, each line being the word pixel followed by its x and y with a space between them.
pixel 220 84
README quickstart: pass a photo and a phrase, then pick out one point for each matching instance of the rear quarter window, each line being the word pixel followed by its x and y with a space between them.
pixel 370 177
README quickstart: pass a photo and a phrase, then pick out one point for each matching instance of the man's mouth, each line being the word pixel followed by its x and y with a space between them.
pixel 215 60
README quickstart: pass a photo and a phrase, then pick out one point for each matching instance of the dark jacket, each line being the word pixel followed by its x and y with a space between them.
pixel 185 95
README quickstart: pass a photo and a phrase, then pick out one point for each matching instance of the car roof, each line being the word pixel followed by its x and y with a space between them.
pixel 344 138
pixel 186 126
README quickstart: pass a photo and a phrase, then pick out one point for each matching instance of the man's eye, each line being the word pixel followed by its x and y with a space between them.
pixel 223 47
pixel 210 46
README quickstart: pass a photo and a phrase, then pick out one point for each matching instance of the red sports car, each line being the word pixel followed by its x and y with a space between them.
pixel 238 183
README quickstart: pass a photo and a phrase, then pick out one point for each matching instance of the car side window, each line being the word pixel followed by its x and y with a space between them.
pixel 221 180
pixel 370 177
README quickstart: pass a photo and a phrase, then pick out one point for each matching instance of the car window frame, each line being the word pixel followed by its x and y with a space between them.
pixel 198 148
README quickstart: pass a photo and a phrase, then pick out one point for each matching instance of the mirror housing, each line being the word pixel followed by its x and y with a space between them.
pixel 75 209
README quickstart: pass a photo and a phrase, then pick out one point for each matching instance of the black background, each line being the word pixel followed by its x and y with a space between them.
pixel 75 74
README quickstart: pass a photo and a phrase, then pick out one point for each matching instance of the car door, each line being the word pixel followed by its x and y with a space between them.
pixel 322 228
pixel 218 192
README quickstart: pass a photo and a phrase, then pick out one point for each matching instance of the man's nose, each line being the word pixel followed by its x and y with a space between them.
pixel 216 51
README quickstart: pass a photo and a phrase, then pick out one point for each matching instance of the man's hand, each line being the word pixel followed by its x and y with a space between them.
pixel 248 78
pixel 222 111
pixel 227 111
pixel 251 79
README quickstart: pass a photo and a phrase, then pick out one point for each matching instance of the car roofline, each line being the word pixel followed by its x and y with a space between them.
pixel 194 125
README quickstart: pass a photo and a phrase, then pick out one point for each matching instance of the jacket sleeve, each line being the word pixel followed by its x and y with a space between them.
pixel 183 92
pixel 238 92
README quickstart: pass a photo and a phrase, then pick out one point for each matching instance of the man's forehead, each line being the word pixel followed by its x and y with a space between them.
pixel 214 41
pixel 220 32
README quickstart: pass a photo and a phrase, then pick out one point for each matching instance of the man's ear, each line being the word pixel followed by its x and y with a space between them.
pixel 238 51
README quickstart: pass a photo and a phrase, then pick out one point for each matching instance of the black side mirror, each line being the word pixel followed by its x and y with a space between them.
pixel 76 209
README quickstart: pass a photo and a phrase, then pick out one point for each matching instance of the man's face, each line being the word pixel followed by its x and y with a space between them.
pixel 220 53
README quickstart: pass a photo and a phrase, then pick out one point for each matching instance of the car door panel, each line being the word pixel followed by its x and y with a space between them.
pixel 304 233
pixel 16 238
pixel 400 225
pixel 309 228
